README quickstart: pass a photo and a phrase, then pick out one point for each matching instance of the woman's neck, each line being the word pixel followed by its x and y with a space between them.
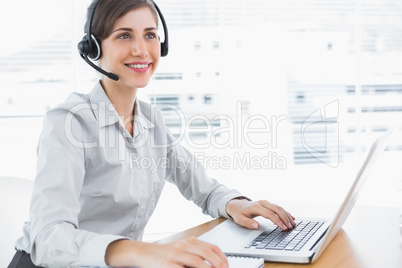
pixel 123 100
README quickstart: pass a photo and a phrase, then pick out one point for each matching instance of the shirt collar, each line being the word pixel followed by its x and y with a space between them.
pixel 106 114
pixel 140 118
pixel 103 109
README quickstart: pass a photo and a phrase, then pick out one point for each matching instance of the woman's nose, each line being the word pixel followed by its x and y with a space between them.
pixel 139 49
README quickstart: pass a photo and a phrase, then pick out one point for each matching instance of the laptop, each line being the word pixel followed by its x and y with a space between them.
pixel 303 244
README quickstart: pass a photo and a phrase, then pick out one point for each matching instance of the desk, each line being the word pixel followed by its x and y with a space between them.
pixel 356 244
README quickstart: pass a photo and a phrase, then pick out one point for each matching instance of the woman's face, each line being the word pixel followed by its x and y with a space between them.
pixel 132 50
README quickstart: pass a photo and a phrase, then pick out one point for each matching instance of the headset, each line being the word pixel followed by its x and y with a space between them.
pixel 90 49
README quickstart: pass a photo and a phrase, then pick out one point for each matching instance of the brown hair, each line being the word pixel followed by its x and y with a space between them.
pixel 108 11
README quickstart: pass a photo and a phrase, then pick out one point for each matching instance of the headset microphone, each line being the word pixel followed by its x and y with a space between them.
pixel 110 75
pixel 90 49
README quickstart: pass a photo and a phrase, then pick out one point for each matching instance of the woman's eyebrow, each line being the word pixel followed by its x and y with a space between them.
pixel 123 29
pixel 131 30
pixel 150 29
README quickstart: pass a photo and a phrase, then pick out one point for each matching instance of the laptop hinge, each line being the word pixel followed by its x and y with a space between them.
pixel 319 239
pixel 310 259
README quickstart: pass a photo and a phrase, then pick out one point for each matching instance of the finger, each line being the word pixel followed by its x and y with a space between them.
pixel 286 218
pixel 292 219
pixel 247 222
pixel 276 214
pixel 209 252
pixel 191 260
pixel 291 216
pixel 207 256
pixel 260 210
pixel 214 248
pixel 283 215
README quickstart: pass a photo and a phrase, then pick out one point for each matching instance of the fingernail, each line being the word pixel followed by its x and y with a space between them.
pixel 255 225
pixel 290 225
pixel 284 227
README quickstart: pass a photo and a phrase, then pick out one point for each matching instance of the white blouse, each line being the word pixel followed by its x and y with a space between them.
pixel 96 183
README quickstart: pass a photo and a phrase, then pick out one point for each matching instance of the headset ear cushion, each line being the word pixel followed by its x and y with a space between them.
pixel 95 52
pixel 83 46
pixel 164 49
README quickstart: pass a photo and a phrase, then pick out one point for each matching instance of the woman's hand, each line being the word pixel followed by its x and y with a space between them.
pixel 243 211
pixel 190 252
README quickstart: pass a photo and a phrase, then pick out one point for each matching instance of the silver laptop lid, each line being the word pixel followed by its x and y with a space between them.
pixel 376 149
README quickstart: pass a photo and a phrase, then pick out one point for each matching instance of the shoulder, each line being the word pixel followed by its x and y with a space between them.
pixel 75 107
pixel 72 119
pixel 71 104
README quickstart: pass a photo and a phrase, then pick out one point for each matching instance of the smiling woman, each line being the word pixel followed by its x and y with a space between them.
pixel 90 204
pixel 331 68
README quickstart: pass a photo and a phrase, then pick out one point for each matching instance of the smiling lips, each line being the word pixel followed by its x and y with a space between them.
pixel 140 67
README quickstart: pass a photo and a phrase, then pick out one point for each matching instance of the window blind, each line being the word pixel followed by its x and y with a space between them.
pixel 344 56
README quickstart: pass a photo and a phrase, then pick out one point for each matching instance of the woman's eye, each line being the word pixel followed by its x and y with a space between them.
pixel 150 36
pixel 124 36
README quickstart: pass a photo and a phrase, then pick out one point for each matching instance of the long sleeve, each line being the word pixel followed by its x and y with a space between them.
pixel 194 184
pixel 55 237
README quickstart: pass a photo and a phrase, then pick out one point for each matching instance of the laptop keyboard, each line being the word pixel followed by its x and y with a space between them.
pixel 293 239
